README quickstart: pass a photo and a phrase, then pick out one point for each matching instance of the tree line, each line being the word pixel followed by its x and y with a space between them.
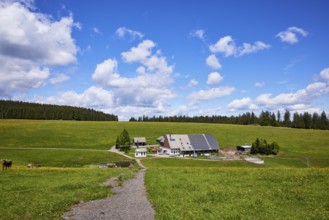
pixel 265 118
pixel 35 111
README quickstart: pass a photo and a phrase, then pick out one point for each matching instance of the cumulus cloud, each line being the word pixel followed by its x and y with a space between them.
pixel 149 88
pixel 139 53
pixel 143 54
pixel 242 104
pixel 251 48
pixel 95 97
pixel 30 42
pixel 214 78
pixel 213 62
pixel 192 83
pixel 213 93
pixel 302 96
pixel 226 46
pixel 291 35
pixel 301 99
pixel 324 74
pixel 59 79
pixel 121 32
pixel 198 34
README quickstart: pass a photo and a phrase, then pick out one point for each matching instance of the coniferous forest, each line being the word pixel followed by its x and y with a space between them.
pixel 265 118
pixel 34 111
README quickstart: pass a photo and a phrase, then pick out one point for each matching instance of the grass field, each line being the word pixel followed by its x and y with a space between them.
pixel 238 193
pixel 294 143
pixel 45 193
pixel 59 157
pixel 282 188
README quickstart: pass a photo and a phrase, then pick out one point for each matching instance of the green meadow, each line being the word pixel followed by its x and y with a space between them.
pixel 46 193
pixel 294 143
pixel 238 193
pixel 69 151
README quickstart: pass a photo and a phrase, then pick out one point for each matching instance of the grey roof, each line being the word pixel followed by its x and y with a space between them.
pixel 140 140
pixel 141 150
pixel 192 142
pixel 213 144
pixel 199 142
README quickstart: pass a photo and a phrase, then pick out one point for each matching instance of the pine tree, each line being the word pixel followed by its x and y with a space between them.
pixel 286 119
pixel 123 141
pixel 324 124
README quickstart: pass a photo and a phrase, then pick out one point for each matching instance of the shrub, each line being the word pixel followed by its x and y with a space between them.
pixel 260 146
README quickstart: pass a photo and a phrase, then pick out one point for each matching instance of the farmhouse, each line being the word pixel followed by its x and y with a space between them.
pixel 140 152
pixel 188 144
pixel 139 141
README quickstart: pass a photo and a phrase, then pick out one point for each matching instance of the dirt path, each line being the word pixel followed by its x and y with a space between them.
pixel 128 203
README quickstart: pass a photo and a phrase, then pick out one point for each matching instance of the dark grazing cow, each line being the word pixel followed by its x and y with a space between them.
pixel 6 164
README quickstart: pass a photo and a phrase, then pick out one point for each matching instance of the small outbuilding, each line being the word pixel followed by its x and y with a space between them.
pixel 139 141
pixel 244 148
pixel 141 152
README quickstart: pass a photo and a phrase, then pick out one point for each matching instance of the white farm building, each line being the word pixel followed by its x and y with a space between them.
pixel 188 144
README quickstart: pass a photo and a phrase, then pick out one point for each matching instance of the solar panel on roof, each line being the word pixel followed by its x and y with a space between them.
pixel 198 142
pixel 212 141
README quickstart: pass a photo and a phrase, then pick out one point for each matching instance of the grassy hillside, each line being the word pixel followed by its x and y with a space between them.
pixel 299 143
pixel 178 188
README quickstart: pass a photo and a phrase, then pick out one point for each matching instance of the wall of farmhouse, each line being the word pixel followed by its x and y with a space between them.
pixel 166 143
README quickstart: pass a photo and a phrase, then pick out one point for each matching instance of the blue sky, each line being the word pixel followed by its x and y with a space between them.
pixel 134 58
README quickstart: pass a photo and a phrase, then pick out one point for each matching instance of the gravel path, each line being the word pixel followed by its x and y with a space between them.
pixel 128 202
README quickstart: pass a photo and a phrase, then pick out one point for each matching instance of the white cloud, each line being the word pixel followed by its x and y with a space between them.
pixel 30 42
pixel 213 62
pixel 290 35
pixel 142 54
pixel 59 78
pixel 95 97
pixel 324 74
pixel 227 47
pixel 303 96
pixel 242 104
pixel 209 94
pixel 193 82
pixel 300 100
pixel 106 72
pixel 121 32
pixel 224 45
pixel 249 48
pixel 139 53
pixel 149 88
pixel 214 78
pixel 198 34
pixel 259 84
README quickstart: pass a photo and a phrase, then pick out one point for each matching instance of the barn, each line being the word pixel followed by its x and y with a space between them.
pixel 188 144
